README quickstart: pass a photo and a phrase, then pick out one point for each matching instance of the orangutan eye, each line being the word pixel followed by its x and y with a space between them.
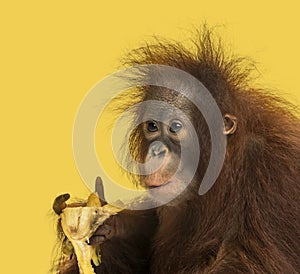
pixel 175 126
pixel 152 126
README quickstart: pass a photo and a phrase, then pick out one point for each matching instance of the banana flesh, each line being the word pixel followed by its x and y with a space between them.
pixel 79 224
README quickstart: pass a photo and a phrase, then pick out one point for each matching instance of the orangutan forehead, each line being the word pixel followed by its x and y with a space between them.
pixel 162 104
pixel 173 98
pixel 160 113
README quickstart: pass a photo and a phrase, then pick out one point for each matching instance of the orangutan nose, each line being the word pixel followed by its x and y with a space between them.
pixel 158 149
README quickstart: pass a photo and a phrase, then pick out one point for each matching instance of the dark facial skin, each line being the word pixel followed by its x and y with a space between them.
pixel 164 149
pixel 166 131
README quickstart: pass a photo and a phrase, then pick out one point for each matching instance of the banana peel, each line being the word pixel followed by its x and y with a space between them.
pixel 79 224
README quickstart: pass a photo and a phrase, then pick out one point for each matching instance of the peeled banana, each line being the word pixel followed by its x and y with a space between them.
pixel 79 224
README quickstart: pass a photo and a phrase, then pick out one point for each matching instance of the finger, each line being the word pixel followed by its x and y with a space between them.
pixel 100 190
pixel 97 240
pixel 103 230
pixel 60 203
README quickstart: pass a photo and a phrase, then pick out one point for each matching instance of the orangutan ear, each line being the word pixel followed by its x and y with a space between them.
pixel 230 122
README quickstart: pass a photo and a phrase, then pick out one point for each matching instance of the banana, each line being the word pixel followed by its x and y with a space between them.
pixel 80 223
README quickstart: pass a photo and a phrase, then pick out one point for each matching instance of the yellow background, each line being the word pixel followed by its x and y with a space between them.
pixel 53 52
